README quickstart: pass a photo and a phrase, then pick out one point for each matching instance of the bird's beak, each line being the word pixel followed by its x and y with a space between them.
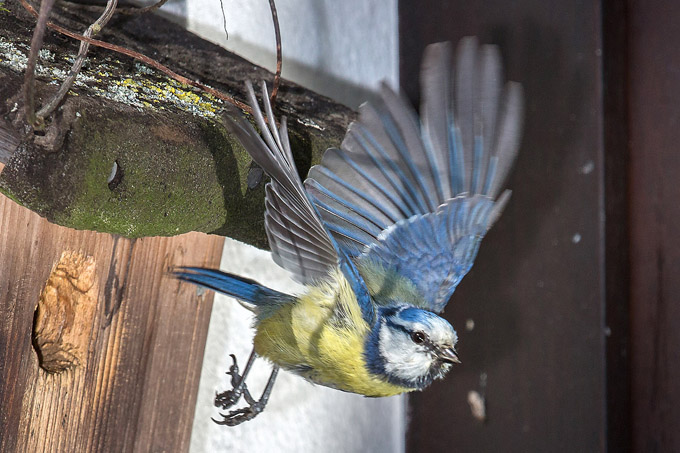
pixel 448 355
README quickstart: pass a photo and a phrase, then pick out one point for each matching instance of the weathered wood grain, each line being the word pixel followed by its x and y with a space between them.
pixel 137 389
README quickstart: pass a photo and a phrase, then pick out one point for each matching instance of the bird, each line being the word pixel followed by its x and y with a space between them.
pixel 380 232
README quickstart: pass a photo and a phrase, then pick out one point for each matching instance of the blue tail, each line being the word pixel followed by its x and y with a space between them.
pixel 232 285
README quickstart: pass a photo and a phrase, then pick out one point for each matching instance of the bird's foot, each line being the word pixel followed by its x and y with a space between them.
pixel 227 399
pixel 238 416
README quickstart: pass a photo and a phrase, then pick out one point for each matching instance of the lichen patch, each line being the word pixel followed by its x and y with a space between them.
pixel 145 88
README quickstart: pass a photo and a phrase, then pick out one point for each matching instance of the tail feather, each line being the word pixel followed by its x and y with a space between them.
pixel 241 288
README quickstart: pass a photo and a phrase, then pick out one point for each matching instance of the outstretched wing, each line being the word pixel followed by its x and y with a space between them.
pixel 296 235
pixel 416 196
pixel 298 238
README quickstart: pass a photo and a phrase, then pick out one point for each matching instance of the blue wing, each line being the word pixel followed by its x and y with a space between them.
pixel 416 196
pixel 297 236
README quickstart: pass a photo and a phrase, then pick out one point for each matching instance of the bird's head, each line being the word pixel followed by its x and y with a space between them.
pixel 411 347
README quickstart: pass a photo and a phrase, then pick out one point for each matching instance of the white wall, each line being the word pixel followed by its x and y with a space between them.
pixel 337 48
pixel 341 49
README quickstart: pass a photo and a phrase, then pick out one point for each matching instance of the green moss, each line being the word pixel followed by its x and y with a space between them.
pixel 244 207
pixel 176 177
pixel 168 184
pixel 8 193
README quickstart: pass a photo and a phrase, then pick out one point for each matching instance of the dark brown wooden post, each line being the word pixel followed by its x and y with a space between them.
pixel 575 296
pixel 532 313
pixel 655 223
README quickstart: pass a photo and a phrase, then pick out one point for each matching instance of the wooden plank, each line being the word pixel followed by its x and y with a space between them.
pixel 137 388
pixel 655 223
pixel 615 66
pixel 533 304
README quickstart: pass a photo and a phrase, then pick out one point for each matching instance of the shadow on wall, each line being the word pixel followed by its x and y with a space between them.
pixel 313 78
pixel 174 11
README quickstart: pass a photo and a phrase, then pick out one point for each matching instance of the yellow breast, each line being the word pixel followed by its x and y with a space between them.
pixel 321 337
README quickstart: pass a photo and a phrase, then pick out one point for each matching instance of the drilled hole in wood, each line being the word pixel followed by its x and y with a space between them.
pixel 255 176
pixel 116 175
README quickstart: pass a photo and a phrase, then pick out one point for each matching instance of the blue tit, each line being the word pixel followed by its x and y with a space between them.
pixel 381 232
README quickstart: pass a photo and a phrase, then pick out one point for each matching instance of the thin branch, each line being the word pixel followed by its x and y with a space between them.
pixel 144 59
pixel 277 32
pixel 224 19
pixel 146 9
pixel 96 27
pixel 130 10
pixel 29 76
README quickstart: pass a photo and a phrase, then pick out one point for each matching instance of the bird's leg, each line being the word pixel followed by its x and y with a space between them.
pixel 238 384
pixel 235 381
pixel 239 416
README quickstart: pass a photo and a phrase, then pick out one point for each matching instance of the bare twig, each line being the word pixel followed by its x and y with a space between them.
pixel 277 32
pixel 29 76
pixel 146 9
pixel 95 28
pixel 224 19
pixel 144 59
pixel 131 10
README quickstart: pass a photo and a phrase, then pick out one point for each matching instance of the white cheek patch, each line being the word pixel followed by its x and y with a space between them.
pixel 403 358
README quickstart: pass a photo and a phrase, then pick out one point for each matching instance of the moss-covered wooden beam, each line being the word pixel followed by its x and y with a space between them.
pixel 133 152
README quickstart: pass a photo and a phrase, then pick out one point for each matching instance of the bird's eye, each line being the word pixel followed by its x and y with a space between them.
pixel 418 337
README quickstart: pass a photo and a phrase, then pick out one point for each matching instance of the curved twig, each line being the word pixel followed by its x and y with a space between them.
pixel 143 58
pixel 277 32
pixel 130 10
pixel 29 76
pixel 224 20
pixel 146 9
pixel 96 27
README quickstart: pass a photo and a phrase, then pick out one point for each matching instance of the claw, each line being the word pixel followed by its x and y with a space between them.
pixel 227 399
pixel 233 370
pixel 241 415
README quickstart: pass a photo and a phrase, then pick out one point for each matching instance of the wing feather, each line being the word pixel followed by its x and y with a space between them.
pixel 416 196
pixel 464 107
pixel 300 241
pixel 296 234
pixel 508 137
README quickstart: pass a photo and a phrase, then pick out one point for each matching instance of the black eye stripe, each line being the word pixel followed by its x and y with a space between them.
pixel 426 342
pixel 394 325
